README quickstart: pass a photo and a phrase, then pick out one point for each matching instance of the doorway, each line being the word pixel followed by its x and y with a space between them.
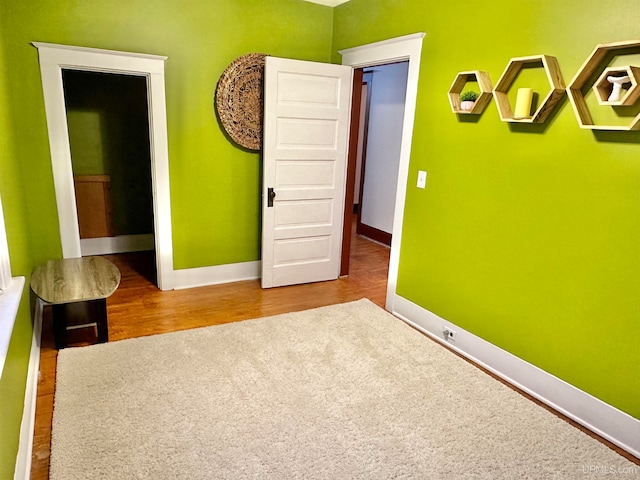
pixel 378 155
pixel 54 59
pixel 406 48
pixel 110 156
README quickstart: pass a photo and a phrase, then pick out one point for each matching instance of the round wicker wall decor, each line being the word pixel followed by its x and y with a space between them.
pixel 239 100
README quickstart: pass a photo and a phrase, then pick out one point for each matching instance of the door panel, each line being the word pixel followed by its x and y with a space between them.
pixel 304 213
pixel 306 133
pixel 311 90
pixel 301 174
pixel 307 109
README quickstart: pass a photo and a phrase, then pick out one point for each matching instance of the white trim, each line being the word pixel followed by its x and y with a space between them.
pixel 408 47
pixel 53 58
pixel 100 51
pixel 5 262
pixel 27 426
pixel 607 421
pixel 202 276
pixel 390 50
pixel 117 244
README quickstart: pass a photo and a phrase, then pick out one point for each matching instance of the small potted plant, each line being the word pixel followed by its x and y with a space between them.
pixel 468 100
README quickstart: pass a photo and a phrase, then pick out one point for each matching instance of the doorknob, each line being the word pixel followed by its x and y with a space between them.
pixel 271 194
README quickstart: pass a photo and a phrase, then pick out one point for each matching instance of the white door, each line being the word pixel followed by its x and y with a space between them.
pixel 307 108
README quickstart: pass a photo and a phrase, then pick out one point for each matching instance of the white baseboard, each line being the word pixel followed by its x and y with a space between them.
pixel 27 426
pixel 607 421
pixel 201 276
pixel 118 244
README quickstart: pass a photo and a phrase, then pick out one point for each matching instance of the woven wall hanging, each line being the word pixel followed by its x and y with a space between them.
pixel 239 100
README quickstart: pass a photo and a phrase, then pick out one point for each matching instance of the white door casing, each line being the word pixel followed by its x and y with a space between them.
pixel 408 47
pixel 53 59
pixel 307 111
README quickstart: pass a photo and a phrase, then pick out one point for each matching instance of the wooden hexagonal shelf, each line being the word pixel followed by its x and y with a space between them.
pixel 545 107
pixel 581 83
pixel 484 84
pixel 628 95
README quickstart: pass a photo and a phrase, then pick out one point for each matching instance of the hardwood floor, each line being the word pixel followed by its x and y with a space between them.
pixel 138 309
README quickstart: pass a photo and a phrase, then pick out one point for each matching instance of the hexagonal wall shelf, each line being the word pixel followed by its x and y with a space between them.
pixel 581 83
pixel 556 83
pixel 629 94
pixel 484 84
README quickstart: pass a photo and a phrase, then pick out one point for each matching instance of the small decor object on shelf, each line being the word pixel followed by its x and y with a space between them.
pixel 547 101
pixel 468 100
pixel 478 101
pixel 523 104
pixel 605 60
pixel 616 87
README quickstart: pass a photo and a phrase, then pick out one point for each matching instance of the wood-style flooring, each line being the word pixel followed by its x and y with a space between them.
pixel 138 309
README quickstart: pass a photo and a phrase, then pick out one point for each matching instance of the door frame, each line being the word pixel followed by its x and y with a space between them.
pixel 350 174
pixel 408 47
pixel 53 59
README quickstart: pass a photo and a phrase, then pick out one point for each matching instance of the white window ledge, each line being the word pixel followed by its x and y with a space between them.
pixel 9 302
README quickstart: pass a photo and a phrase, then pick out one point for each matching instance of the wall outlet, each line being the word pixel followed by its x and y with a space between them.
pixel 422 179
pixel 449 334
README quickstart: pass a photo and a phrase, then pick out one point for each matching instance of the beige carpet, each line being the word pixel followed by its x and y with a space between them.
pixel 340 392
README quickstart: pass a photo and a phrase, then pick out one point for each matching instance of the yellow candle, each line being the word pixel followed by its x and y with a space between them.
pixel 523 103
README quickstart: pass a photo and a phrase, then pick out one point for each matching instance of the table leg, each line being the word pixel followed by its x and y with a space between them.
pixel 80 314
pixel 100 311
pixel 59 326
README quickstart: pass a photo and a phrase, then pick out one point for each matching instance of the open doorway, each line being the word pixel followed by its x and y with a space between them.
pixel 407 48
pixel 54 59
pixel 108 124
pixel 382 106
pixel 377 125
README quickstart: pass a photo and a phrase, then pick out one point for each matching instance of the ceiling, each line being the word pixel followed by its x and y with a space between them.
pixel 329 3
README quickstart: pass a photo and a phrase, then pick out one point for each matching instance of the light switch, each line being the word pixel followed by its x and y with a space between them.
pixel 422 178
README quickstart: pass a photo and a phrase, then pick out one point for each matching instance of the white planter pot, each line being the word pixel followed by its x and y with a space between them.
pixel 467 105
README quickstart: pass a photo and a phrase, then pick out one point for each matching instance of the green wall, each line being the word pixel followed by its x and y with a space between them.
pixel 526 236
pixel 12 382
pixel 215 186
pixel 215 190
